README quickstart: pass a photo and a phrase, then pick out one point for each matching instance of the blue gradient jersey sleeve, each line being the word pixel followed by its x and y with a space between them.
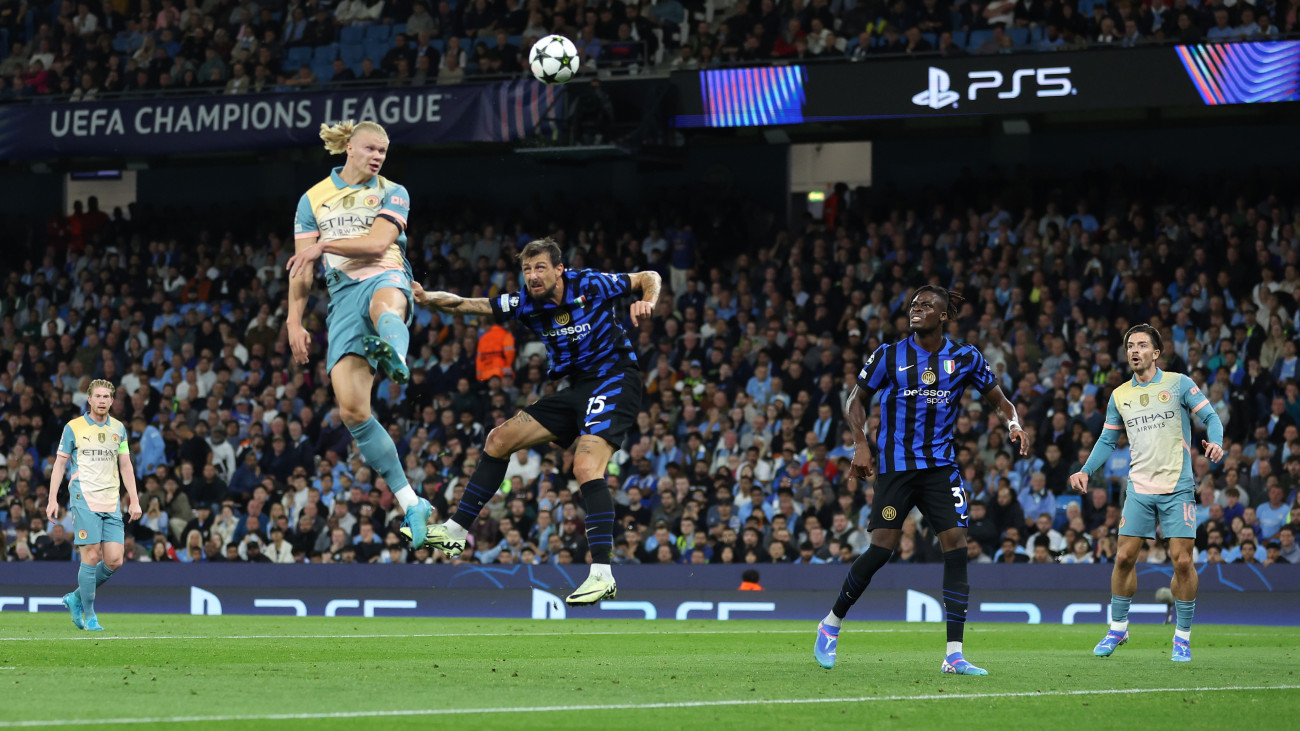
pixel 68 442
pixel 1107 441
pixel 304 220
pixel 396 206
pixel 1199 406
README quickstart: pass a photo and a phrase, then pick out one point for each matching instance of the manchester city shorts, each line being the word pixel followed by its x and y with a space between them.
pixel 348 319
pixel 1175 513
pixel 90 528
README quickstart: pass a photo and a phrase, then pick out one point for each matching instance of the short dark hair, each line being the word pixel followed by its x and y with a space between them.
pixel 1149 330
pixel 537 247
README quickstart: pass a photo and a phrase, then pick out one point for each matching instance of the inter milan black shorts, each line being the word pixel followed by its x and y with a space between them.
pixel 937 491
pixel 603 406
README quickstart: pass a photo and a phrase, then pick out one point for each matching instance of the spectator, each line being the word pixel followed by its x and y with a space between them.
pixel 451 71
pixel 240 82
pixel 305 80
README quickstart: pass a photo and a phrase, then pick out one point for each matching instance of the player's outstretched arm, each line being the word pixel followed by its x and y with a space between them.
pixel 299 288
pixel 56 482
pixel 452 304
pixel 1005 409
pixel 128 478
pixel 648 284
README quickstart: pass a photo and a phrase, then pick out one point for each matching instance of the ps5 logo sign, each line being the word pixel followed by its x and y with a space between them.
pixel 939 94
pixel 1049 82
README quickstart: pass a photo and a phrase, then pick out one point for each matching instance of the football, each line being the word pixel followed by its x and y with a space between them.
pixel 553 59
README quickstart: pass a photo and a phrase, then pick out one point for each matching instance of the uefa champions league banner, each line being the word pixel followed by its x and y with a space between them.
pixel 1052 594
pixel 499 112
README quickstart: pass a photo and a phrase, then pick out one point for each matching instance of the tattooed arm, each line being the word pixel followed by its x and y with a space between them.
pixel 450 303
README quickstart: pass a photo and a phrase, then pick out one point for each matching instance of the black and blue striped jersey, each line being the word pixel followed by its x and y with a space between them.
pixel 584 335
pixel 920 396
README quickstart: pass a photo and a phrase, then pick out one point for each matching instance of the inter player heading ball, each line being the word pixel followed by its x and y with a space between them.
pixel 920 381
pixel 356 220
pixel 1154 408
pixel 95 446
pixel 574 313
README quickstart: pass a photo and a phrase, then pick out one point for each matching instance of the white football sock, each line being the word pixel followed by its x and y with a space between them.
pixel 407 498
pixel 456 530
pixel 954 647
pixel 832 620
pixel 602 570
pixel 1119 626
pixel 1183 634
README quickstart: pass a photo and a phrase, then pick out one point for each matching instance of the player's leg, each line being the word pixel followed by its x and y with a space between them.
pixel 520 432
pixel 590 461
pixel 1177 523
pixel 111 552
pixel 353 379
pixel 891 505
pixel 1123 577
pixel 943 502
pixel 1184 588
pixel 82 527
pixel 88 584
pixel 388 308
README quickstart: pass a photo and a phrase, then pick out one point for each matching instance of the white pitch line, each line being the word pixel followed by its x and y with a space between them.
pixel 622 706
pixel 666 633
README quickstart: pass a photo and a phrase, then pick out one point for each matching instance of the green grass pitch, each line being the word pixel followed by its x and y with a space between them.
pixel 234 672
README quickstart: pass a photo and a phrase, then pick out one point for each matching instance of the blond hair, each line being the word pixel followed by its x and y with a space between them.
pixel 336 138
pixel 100 383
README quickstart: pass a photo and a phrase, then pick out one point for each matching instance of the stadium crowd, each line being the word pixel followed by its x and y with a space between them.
pixel 85 50
pixel 740 452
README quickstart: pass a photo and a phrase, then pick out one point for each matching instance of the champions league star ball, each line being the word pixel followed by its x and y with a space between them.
pixel 553 60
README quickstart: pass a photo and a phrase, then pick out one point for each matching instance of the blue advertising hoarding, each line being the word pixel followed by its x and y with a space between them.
pixel 1050 594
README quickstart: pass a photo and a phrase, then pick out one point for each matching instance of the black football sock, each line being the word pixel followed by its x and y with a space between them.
pixel 487 479
pixel 956 592
pixel 860 573
pixel 600 519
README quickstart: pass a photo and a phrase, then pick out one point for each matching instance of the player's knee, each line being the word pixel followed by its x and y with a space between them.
pixel 113 564
pixel 1125 558
pixel 498 443
pixel 353 415
pixel 1183 562
pixel 587 470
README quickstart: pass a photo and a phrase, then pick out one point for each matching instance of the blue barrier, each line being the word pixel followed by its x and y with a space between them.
pixel 1051 594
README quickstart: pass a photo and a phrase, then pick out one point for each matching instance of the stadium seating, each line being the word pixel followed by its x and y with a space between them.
pixel 376 39
pixel 666 359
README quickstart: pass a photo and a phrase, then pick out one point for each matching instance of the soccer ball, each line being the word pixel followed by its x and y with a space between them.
pixel 553 60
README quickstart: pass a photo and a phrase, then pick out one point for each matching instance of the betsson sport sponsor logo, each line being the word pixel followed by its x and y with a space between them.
pixel 1049 81
pixel 575 332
